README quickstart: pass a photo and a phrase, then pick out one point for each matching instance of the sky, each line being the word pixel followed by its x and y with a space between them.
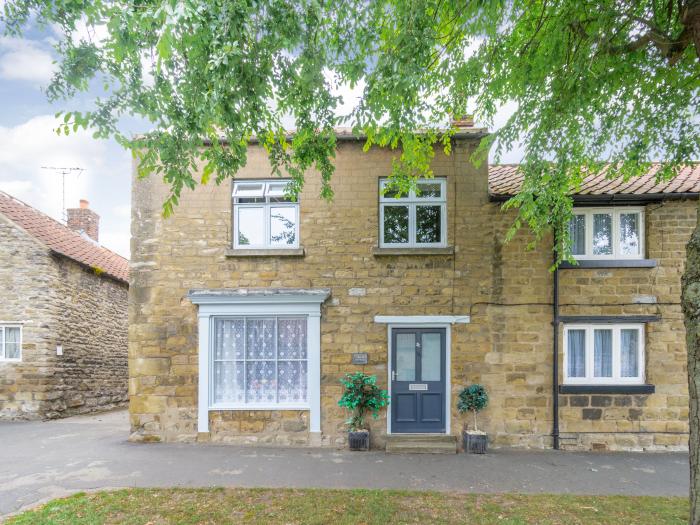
pixel 29 145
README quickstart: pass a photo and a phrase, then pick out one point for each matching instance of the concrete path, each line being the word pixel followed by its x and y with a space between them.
pixel 44 460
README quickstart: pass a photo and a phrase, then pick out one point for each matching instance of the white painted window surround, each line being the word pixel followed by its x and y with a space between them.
pixel 259 303
pixel 10 342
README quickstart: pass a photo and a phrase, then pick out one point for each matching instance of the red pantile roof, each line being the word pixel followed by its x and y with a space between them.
pixel 506 179
pixel 61 239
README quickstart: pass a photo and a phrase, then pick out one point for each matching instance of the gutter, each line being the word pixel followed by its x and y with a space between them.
pixel 614 198
pixel 472 133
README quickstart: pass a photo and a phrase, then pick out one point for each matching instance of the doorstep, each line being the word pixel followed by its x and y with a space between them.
pixel 421 444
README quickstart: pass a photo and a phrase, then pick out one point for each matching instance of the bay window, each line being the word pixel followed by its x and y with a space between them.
pixel 607 233
pixel 259 361
pixel 604 354
pixel 417 219
pixel 259 349
pixel 264 216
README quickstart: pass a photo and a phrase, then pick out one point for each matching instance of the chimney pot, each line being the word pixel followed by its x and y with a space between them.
pixel 84 204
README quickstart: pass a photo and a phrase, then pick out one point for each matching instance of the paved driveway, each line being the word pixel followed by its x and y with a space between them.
pixel 43 460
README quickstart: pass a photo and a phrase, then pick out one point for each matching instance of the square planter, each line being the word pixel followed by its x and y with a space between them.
pixel 474 443
pixel 358 440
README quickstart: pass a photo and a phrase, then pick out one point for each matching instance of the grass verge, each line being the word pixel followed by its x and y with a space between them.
pixel 352 507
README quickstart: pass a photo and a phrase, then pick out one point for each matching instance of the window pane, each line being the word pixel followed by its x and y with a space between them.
pixel 629 233
pixel 429 190
pixel 428 224
pixel 602 234
pixel 405 357
pixel 291 339
pixel 251 226
pixel 292 381
pixel 261 383
pixel 629 352
pixel 12 342
pixel 577 232
pixel 430 357
pixel 2 342
pixel 395 224
pixel 228 382
pixel 576 356
pixel 602 353
pixel 283 226
pixel 276 189
pixel 392 193
pixel 260 340
pixel 248 189
pixel 228 342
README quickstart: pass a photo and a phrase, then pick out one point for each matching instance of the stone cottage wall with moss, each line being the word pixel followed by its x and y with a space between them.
pixel 504 288
pixel 59 302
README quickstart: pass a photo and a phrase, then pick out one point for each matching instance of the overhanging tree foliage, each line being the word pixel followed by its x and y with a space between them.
pixel 590 82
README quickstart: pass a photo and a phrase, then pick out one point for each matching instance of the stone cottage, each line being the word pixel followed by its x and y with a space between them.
pixel 247 308
pixel 63 316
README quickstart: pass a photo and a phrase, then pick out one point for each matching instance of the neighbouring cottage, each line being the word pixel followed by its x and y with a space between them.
pixel 246 308
pixel 63 315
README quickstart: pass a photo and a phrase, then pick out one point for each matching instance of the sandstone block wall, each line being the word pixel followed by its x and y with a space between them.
pixel 506 289
pixel 60 302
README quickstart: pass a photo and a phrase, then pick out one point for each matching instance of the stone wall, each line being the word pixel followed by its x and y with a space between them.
pixel 27 272
pixel 60 302
pixel 506 289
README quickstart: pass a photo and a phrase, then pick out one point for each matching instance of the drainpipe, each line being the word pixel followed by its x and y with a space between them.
pixel 555 360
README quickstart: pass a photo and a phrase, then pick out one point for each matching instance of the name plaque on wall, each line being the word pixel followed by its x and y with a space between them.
pixel 360 358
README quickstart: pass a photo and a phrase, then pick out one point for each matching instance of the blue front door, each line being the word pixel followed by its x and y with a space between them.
pixel 418 380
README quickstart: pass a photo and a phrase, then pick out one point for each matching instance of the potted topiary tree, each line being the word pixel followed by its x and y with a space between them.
pixel 473 399
pixel 361 395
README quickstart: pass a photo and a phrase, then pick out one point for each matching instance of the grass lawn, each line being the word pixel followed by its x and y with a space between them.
pixel 338 507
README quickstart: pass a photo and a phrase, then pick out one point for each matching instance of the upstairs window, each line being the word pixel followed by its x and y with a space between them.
pixel 10 343
pixel 263 216
pixel 414 220
pixel 607 233
pixel 604 354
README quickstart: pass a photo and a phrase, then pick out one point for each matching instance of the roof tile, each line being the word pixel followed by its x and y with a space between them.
pixel 506 179
pixel 62 239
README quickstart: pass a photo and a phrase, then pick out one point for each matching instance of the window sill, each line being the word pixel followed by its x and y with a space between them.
pixel 607 389
pixel 609 263
pixel 381 252
pixel 265 252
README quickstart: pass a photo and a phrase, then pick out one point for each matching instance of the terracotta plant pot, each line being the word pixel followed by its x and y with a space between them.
pixel 474 443
pixel 358 440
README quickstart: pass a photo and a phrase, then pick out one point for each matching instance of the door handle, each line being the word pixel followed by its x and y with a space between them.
pixel 393 375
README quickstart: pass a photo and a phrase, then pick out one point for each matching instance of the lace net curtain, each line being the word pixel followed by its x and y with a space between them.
pixel 260 361
pixel 11 342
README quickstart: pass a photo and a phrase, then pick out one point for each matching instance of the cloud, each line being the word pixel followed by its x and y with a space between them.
pixel 25 60
pixel 32 145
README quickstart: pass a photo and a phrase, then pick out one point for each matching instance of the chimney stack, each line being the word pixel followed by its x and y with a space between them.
pixel 84 220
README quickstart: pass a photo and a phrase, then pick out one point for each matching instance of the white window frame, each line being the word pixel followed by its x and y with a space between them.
pixel 616 379
pixel 615 212
pixel 3 351
pixel 412 201
pixel 270 188
pixel 228 405
pixel 260 303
